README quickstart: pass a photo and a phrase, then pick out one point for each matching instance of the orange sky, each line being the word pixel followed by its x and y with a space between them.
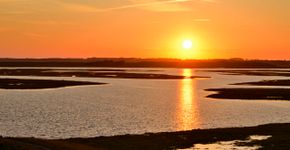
pixel 145 28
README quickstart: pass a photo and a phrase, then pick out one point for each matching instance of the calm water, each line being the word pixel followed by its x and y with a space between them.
pixel 127 106
pixel 233 145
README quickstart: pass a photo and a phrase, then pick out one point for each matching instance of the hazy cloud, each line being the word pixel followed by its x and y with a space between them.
pixel 91 6
pixel 168 5
pixel 155 5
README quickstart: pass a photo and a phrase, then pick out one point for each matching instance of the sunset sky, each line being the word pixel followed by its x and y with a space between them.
pixel 145 28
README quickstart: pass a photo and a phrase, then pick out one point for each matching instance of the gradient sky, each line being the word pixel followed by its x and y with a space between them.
pixel 145 28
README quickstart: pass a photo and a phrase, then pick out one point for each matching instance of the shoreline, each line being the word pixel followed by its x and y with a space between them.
pixel 279 132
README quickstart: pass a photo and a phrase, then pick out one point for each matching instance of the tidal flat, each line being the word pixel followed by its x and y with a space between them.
pixel 278 138
pixel 252 72
pixel 251 93
pixel 140 114
pixel 40 84
pixel 97 73
pixel 284 82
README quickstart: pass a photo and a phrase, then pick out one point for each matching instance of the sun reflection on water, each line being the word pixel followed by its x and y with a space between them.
pixel 187 112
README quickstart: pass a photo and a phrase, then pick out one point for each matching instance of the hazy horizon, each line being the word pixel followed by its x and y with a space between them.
pixel 144 58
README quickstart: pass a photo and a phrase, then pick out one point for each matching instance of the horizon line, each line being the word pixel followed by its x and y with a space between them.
pixel 142 58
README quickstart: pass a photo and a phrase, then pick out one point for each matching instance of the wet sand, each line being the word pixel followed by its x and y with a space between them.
pixel 280 137
pixel 40 84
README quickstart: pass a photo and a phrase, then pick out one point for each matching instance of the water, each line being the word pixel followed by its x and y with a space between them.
pixel 224 145
pixel 132 106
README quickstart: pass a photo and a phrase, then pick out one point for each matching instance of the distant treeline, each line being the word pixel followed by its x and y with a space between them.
pixel 136 62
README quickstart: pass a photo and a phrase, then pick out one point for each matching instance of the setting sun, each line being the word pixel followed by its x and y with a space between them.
pixel 187 48
pixel 187 44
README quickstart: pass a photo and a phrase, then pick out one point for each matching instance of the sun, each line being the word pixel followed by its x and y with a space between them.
pixel 187 44
pixel 186 47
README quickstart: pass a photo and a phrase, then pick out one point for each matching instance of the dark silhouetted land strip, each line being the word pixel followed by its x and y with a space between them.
pixel 283 73
pixel 158 141
pixel 88 73
pixel 136 62
pixel 40 84
pixel 251 93
pixel 267 83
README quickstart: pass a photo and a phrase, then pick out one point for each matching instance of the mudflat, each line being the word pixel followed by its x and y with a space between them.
pixel 284 82
pixel 40 84
pixel 251 93
pixel 251 72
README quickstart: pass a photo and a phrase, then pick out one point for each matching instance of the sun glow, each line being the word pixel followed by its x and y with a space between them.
pixel 187 44
pixel 187 48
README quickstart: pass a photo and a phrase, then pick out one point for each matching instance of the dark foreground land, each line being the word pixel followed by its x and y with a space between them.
pixel 285 82
pixel 40 84
pixel 280 137
pixel 251 72
pixel 251 93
